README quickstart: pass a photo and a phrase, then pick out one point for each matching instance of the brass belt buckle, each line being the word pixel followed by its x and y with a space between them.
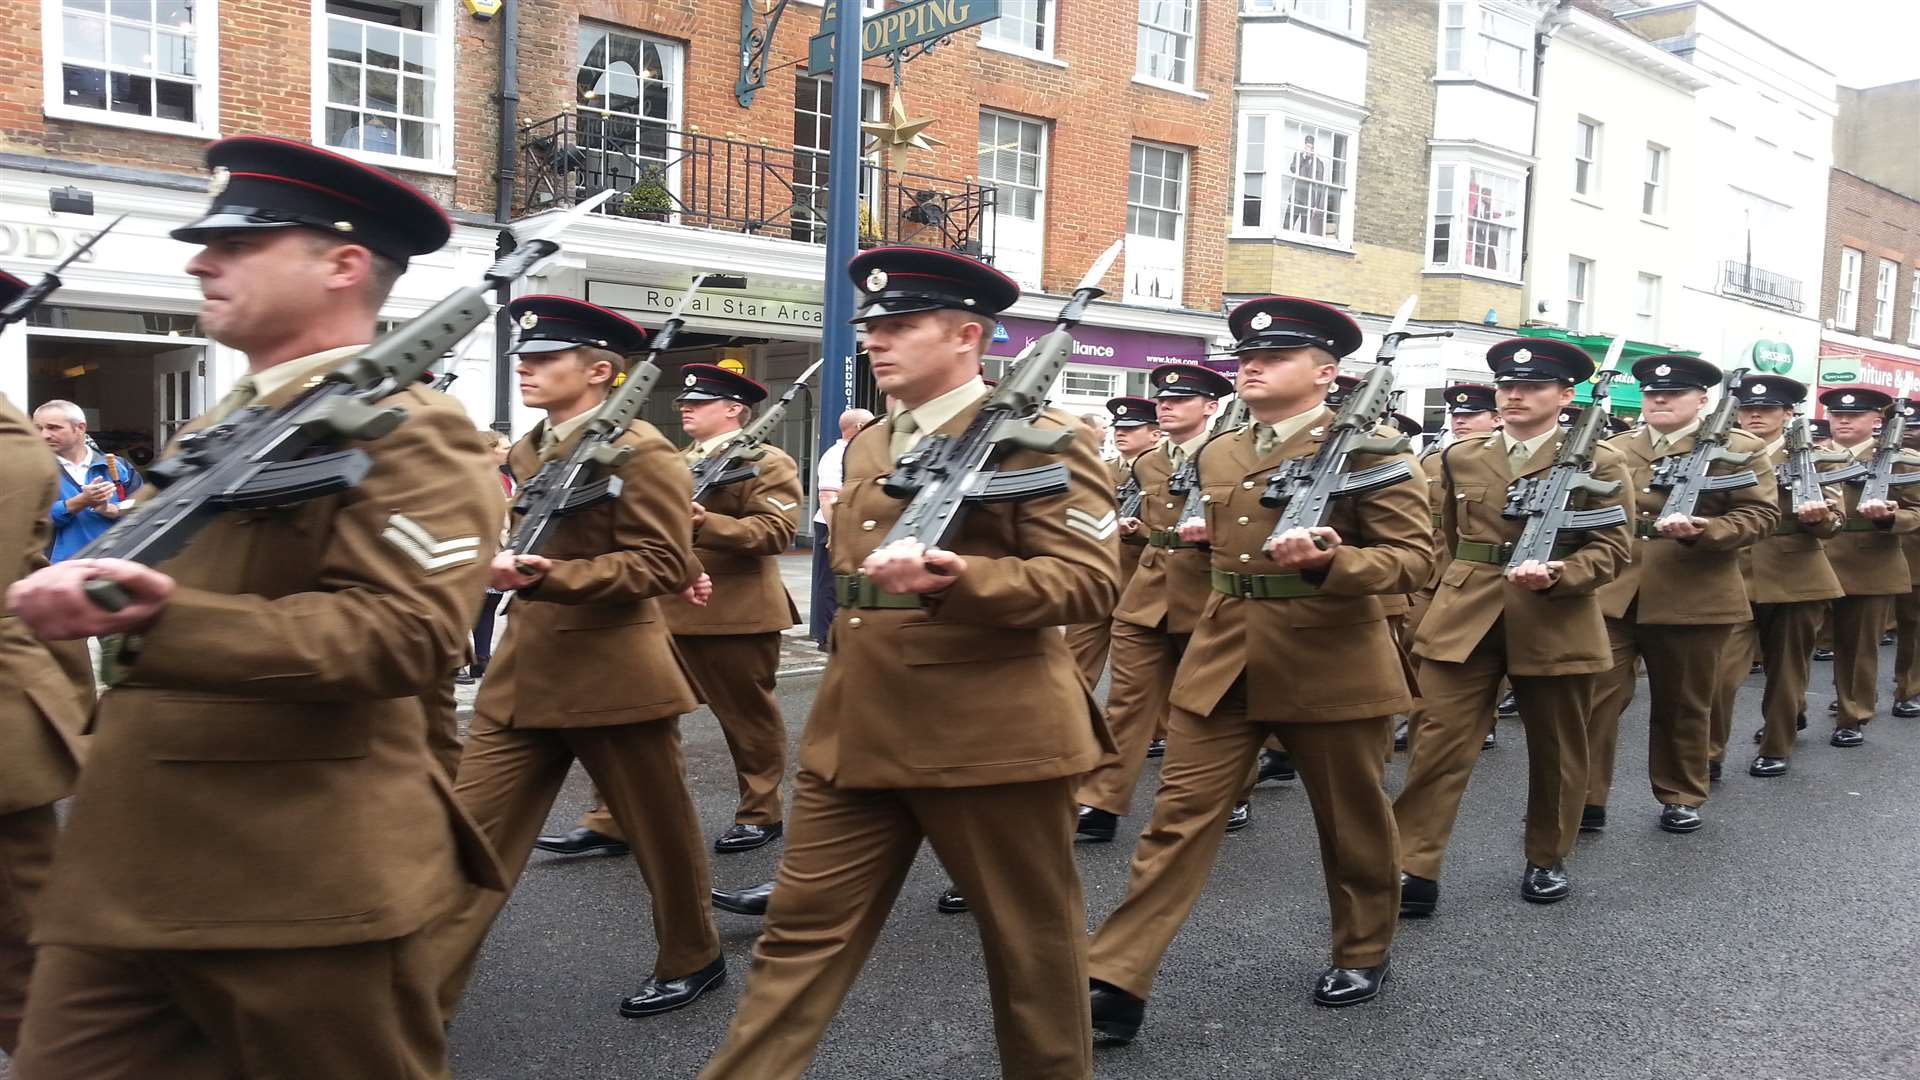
pixel 1243 583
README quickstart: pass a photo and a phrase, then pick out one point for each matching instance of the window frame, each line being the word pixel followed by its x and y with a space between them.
pixel 1846 301
pixel 1186 190
pixel 1039 217
pixel 1049 16
pixel 676 93
pixel 1913 305
pixel 1356 13
pixel 1586 157
pixel 1472 48
pixel 1580 270
pixel 873 99
pixel 1886 286
pixel 206 53
pixel 1646 305
pixel 1192 34
pixel 1457 243
pixel 1653 181
pixel 444 33
pixel 1280 114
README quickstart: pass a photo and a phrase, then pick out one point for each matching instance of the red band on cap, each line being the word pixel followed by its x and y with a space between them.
pixel 305 184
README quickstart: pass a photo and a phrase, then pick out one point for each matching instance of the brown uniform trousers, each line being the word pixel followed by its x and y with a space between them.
pixel 1089 642
pixel 1789 582
pixel 1906 617
pixel 1868 559
pixel 1551 644
pixel 587 672
pixel 899 749
pixel 1151 624
pixel 1422 600
pixel 1240 683
pixel 42 712
pixel 259 835
pixel 1672 606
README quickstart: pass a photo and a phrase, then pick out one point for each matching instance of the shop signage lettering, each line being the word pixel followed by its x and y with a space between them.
pixel 897 28
pixel 651 299
pixel 1772 357
pixel 42 242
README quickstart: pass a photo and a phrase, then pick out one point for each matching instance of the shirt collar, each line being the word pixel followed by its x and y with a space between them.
pixel 1286 429
pixel 705 447
pixel 1664 439
pixel 555 434
pixel 931 416
pixel 1773 448
pixel 280 376
pixel 1532 445
pixel 1862 451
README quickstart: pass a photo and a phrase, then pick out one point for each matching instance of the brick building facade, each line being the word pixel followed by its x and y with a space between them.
pixel 1871 306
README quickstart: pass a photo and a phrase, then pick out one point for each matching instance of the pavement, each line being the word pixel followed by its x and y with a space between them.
pixel 1779 942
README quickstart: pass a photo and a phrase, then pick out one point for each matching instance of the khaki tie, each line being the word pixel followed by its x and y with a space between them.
pixel 903 430
pixel 1176 455
pixel 1517 456
pixel 244 389
pixel 1264 439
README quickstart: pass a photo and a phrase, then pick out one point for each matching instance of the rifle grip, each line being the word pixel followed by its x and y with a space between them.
pixel 106 595
pixel 1028 437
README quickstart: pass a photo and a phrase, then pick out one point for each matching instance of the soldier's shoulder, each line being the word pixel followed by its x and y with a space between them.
pixel 1605 453
pixel 434 415
pixel 1744 440
pixel 645 436
pixel 1055 418
pixel 1621 439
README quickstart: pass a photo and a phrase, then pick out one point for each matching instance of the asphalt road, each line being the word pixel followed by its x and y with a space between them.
pixel 1780 941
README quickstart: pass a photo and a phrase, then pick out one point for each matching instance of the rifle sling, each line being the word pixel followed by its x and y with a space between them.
pixel 856 591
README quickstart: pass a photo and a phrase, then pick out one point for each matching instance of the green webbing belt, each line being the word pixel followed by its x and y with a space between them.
pixel 855 591
pixel 1859 524
pixel 1788 526
pixel 1646 531
pixel 1168 538
pixel 1262 586
pixel 1498 554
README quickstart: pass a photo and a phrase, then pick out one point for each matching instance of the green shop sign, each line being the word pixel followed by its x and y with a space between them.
pixel 1771 357
pixel 900 27
pixel 1839 376
pixel 1623 396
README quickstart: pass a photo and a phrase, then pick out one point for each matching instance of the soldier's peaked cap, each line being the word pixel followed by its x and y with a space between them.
pixel 1292 322
pixel 1529 359
pixel 10 288
pixel 260 182
pixel 1469 398
pixel 708 382
pixel 1769 390
pixel 1674 371
pixel 1188 380
pixel 557 323
pixel 905 280
pixel 1132 412
pixel 1854 399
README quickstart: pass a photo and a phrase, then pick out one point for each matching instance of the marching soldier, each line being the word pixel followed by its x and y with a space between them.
pixel 1906 657
pixel 899 749
pixel 1538 625
pixel 1674 604
pixel 1867 558
pixel 1789 580
pixel 731 645
pixel 587 669
pixel 1294 645
pixel 41 715
pixel 1162 601
pixel 1135 432
pixel 259 836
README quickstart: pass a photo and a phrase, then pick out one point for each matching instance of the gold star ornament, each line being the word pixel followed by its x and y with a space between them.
pixel 898 134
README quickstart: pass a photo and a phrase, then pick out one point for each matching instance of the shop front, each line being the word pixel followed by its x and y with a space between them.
pixel 1107 362
pixel 1844 362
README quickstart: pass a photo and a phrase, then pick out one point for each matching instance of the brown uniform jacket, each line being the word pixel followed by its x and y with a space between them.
pixel 1692 582
pixel 1558 631
pixel 748 526
pixel 1308 659
pixel 1131 547
pixel 260 778
pixel 1160 593
pixel 978 687
pixel 40 712
pixel 1868 557
pixel 1442 553
pixel 586 647
pixel 1791 564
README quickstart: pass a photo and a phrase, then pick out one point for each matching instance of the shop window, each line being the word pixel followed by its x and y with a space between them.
pixel 383 80
pixel 132 63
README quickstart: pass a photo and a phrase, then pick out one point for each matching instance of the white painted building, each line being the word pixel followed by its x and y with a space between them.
pixel 1611 244
pixel 1758 198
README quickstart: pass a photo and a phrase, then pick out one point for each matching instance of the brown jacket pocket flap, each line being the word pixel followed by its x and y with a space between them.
pixel 222 729
pixel 951 643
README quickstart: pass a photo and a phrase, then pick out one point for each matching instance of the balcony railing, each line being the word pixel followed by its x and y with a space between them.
pixel 688 178
pixel 1762 286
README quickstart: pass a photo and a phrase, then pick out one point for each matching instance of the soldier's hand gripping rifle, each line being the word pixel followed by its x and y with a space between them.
pixel 945 474
pixel 1546 501
pixel 1879 480
pixel 1129 496
pixel 1185 481
pixel 260 458
pixel 1304 488
pixel 1800 474
pixel 1685 477
pixel 37 293
pixel 736 461
pixel 586 477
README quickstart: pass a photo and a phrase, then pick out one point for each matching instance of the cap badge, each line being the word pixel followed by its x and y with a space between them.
pixel 1461 398
pixel 1521 356
pixel 1846 399
pixel 1172 377
pixel 1663 369
pixel 343 226
pixel 529 320
pixel 691 379
pixel 217 181
pixel 1757 388
pixel 876 280
pixel 1260 321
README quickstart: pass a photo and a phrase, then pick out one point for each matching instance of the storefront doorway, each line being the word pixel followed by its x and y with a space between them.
pixel 139 375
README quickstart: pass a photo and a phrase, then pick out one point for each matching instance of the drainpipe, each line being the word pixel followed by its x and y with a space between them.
pixel 505 175
pixel 1552 24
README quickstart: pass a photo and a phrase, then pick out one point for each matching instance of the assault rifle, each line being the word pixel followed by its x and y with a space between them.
pixel 445 380
pixel 1546 501
pixel 1684 477
pixel 37 293
pixel 1879 479
pixel 1800 474
pixel 1129 496
pixel 945 474
pixel 586 477
pixel 734 462
pixel 1185 481
pixel 259 457
pixel 1304 488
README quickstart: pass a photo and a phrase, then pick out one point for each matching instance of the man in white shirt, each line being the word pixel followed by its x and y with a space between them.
pixel 826 488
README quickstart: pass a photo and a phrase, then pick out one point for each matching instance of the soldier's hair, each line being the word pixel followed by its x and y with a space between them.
pixel 590 355
pixel 382 273
pixel 954 317
pixel 71 413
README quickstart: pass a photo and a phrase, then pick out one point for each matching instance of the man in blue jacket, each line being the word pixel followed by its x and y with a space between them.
pixel 94 488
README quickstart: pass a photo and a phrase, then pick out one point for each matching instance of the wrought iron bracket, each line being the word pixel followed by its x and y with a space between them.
pixel 758 20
